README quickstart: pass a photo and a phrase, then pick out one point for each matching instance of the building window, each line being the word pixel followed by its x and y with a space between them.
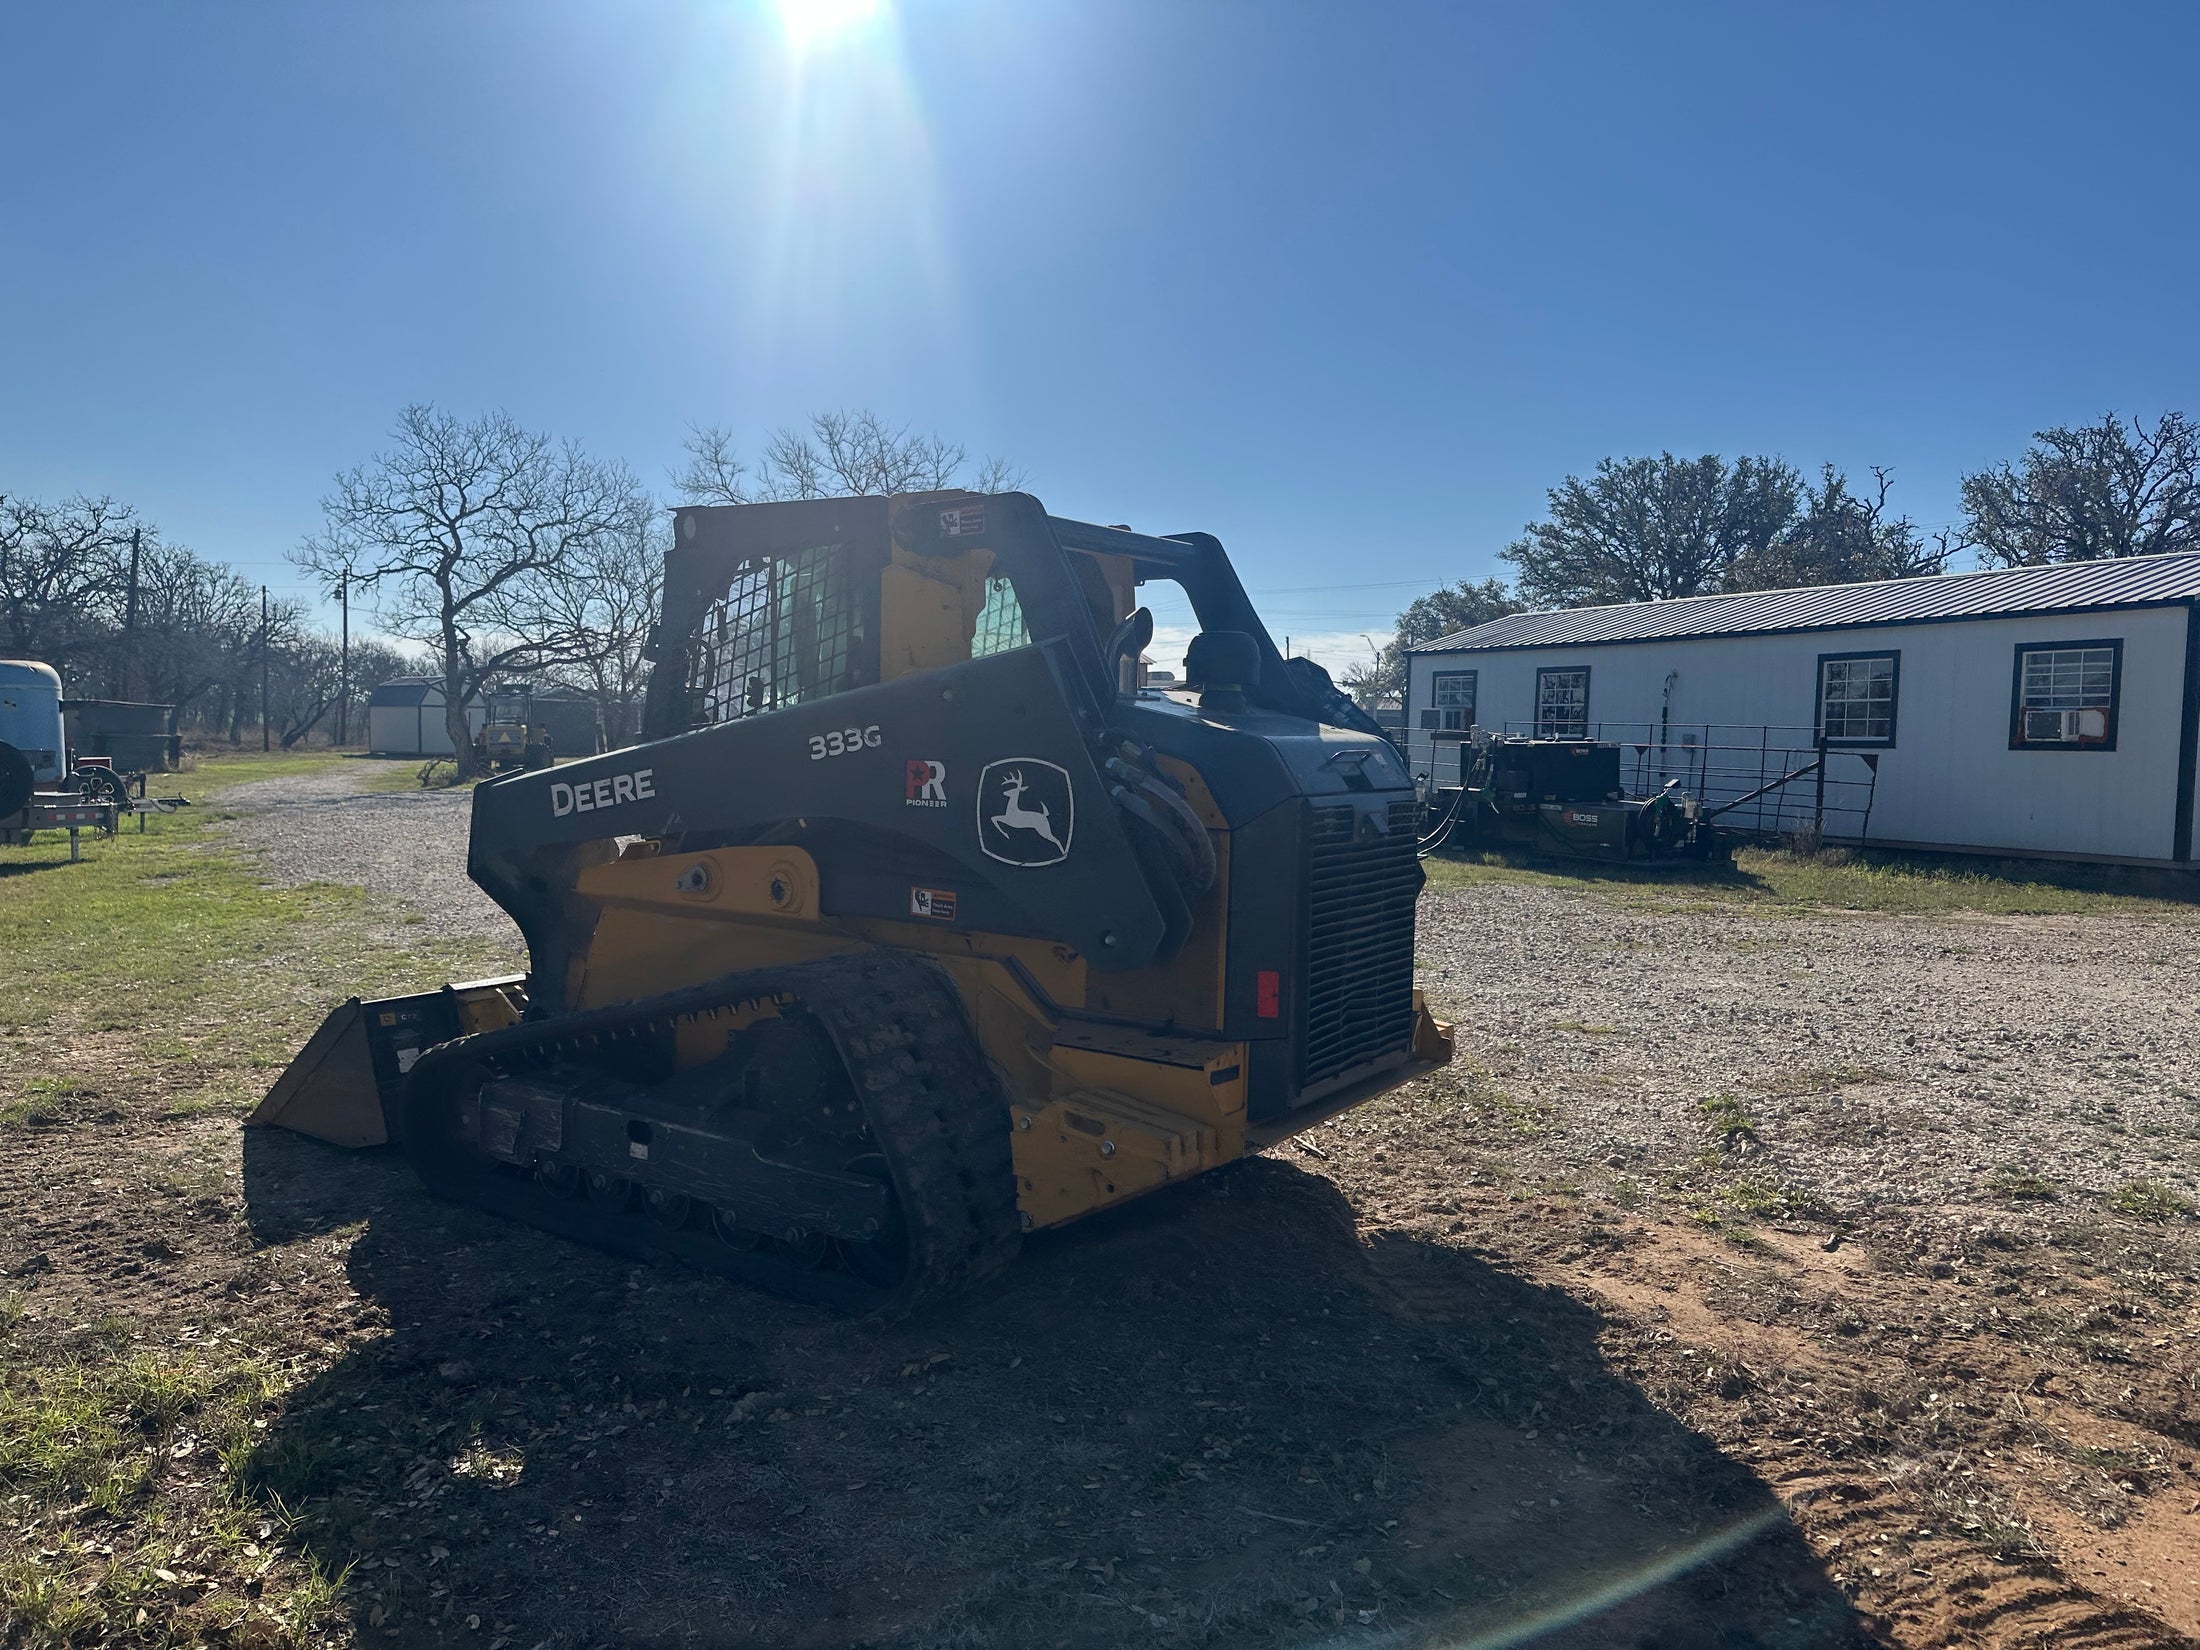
pixel 1562 704
pixel 2064 697
pixel 1856 697
pixel 1452 709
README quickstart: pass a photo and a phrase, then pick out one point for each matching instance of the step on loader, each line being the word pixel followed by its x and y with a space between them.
pixel 916 923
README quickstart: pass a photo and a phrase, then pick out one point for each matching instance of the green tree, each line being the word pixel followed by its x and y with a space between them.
pixel 1841 536
pixel 1643 529
pixel 2090 493
pixel 1443 612
pixel 1457 607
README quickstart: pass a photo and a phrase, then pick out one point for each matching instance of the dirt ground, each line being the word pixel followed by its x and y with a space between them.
pixel 1551 1349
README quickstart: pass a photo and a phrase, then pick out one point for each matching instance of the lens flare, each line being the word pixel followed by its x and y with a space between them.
pixel 1593 1601
pixel 808 24
pixel 801 160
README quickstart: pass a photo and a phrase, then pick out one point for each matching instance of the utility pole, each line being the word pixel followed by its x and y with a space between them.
pixel 343 696
pixel 129 620
pixel 264 735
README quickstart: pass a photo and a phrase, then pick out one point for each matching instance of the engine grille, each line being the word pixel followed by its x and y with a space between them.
pixel 1359 942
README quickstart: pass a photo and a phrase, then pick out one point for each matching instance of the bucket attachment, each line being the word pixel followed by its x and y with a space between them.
pixel 344 1085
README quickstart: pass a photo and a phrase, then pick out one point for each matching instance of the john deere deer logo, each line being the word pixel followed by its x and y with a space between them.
pixel 1026 811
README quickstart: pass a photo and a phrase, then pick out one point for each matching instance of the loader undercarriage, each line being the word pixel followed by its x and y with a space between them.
pixel 842 1141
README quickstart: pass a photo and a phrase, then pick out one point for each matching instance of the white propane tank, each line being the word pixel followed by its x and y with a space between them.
pixel 30 717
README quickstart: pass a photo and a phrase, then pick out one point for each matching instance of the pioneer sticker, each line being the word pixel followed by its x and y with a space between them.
pixel 925 784
pixel 965 521
pixel 936 903
pixel 608 792
pixel 1026 811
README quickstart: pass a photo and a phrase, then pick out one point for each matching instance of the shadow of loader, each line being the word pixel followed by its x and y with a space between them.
pixel 1215 1418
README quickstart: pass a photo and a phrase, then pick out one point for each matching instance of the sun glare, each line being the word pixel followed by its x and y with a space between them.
pixel 810 23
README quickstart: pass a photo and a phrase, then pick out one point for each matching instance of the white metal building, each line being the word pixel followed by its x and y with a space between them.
pixel 2035 710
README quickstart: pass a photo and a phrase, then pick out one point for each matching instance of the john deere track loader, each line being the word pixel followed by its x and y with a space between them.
pixel 915 924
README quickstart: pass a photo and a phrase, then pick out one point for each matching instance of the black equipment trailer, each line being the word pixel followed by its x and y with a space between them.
pixel 1561 797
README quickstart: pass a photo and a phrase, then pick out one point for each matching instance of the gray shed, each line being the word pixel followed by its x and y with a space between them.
pixel 405 718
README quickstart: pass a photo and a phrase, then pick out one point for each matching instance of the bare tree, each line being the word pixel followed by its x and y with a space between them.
pixel 193 636
pixel 199 626
pixel 60 574
pixel 840 455
pixel 307 681
pixel 372 663
pixel 455 531
pixel 2085 494
pixel 604 604
pixel 304 684
pixel 715 473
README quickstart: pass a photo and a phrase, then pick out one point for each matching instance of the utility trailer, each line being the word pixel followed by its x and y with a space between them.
pixel 58 811
pixel 46 784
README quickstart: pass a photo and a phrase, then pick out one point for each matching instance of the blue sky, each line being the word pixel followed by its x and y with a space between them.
pixel 1348 285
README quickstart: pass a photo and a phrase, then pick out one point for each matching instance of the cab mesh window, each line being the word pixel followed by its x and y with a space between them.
pixel 1000 622
pixel 783 634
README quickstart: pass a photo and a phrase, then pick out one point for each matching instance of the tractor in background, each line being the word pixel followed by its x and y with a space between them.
pixel 510 737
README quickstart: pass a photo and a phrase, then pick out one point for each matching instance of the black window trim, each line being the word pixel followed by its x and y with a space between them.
pixel 1894 700
pixel 2017 741
pixel 1435 703
pixel 1562 670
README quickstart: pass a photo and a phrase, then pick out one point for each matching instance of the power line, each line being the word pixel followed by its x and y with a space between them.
pixel 1318 589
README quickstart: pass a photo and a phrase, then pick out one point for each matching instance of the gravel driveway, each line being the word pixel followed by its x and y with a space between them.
pixel 1872 1065
pixel 409 845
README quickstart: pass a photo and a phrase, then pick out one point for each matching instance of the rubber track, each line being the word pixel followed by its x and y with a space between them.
pixel 928 1094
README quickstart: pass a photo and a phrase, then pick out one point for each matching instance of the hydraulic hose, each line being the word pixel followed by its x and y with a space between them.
pixel 1427 845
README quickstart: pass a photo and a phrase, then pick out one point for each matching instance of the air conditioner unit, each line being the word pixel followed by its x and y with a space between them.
pixel 1431 719
pixel 2065 727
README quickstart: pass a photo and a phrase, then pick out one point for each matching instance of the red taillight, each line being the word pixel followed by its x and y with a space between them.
pixel 1268 994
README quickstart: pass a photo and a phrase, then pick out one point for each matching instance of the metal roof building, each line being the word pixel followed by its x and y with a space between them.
pixel 2031 710
pixel 2005 593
